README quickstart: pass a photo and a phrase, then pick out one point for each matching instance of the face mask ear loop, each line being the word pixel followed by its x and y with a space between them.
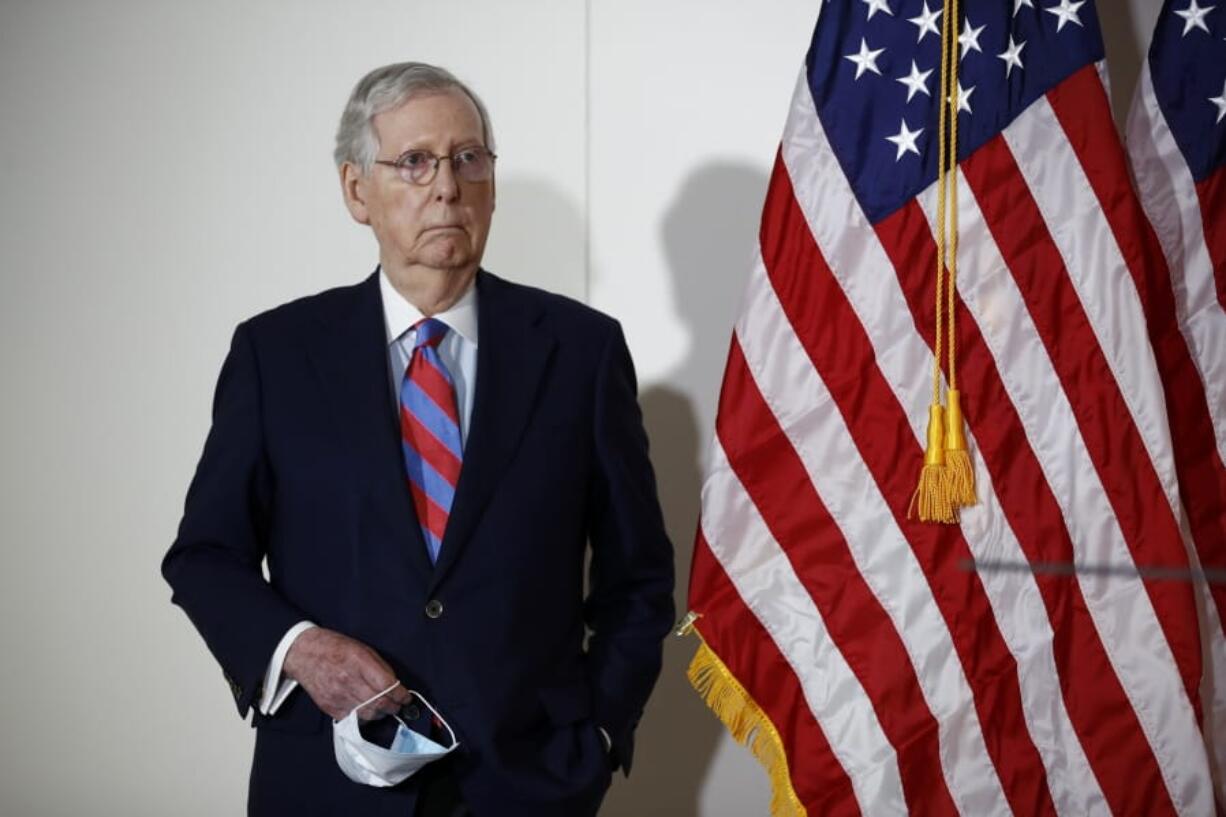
pixel 375 698
pixel 442 720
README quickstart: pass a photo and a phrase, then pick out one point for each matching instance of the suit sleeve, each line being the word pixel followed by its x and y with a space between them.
pixel 630 604
pixel 215 564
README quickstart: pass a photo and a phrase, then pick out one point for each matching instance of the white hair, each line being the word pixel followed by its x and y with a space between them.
pixel 385 89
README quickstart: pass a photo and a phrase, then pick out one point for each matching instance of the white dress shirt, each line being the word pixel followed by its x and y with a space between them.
pixel 458 351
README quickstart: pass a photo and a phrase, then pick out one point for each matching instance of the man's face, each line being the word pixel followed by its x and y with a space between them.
pixel 440 225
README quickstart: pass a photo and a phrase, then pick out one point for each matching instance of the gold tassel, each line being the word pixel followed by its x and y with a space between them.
pixel 931 497
pixel 947 480
pixel 748 724
pixel 957 457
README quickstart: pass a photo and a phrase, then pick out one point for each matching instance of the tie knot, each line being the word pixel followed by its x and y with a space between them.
pixel 430 332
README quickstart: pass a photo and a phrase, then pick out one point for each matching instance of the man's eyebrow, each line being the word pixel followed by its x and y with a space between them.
pixel 475 142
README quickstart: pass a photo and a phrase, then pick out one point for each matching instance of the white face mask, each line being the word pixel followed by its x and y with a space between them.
pixel 373 765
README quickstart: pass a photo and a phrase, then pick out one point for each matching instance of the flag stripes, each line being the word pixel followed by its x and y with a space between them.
pixel 767 583
pixel 1093 363
pixel 1199 469
pixel 1141 654
pixel 1171 203
pixel 1120 487
pixel 1180 259
pixel 842 357
pixel 1030 376
pixel 1074 225
pixel 1122 760
pixel 859 620
pixel 1018 520
pixel 1047 716
pixel 749 652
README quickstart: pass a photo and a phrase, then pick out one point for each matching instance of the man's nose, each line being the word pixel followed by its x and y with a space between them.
pixel 446 188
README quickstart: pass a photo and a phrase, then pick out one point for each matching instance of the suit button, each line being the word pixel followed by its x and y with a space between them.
pixel 412 712
pixel 434 608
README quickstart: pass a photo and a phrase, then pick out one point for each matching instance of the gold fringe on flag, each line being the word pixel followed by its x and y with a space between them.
pixel 747 723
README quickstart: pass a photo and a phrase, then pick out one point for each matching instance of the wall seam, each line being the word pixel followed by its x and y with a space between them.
pixel 587 152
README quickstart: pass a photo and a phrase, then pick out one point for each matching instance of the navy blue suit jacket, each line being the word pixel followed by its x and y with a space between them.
pixel 302 468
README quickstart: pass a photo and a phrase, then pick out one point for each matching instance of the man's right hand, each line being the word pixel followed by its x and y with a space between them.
pixel 339 673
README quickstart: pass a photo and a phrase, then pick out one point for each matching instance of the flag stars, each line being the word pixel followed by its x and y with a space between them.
pixel 1018 5
pixel 916 81
pixel 866 60
pixel 927 22
pixel 969 38
pixel 1220 102
pixel 964 97
pixel 1012 55
pixel 1066 12
pixel 1194 17
pixel 875 6
pixel 905 140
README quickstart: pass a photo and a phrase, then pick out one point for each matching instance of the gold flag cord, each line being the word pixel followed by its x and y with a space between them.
pixel 946 480
pixel 957 457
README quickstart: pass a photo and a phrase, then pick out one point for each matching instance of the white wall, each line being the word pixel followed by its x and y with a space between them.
pixel 168 174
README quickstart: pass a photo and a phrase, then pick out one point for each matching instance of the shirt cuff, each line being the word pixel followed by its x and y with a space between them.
pixel 277 688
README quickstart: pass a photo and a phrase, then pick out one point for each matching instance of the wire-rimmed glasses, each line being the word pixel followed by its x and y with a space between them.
pixel 471 164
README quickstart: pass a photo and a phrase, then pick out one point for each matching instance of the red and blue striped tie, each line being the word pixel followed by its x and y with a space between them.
pixel 430 433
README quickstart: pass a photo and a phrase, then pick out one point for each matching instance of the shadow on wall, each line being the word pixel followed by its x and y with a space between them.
pixel 1121 43
pixel 537 237
pixel 709 234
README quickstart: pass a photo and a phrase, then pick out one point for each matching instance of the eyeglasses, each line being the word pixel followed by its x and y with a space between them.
pixel 474 164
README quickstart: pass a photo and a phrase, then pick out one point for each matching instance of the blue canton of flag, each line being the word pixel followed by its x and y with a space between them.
pixel 874 71
pixel 1187 60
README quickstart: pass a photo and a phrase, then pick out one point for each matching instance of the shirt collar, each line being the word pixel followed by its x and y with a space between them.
pixel 399 315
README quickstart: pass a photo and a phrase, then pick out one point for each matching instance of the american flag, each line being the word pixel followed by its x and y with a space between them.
pixel 875 663
pixel 1177 147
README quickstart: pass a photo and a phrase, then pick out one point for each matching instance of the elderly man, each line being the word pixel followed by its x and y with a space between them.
pixel 421 459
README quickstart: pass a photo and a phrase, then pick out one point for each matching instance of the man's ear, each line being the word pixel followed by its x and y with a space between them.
pixel 353 187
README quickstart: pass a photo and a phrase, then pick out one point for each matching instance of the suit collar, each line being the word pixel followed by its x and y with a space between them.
pixel 350 356
pixel 349 352
pixel 511 362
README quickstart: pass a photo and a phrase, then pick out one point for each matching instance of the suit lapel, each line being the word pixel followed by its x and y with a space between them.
pixel 350 355
pixel 512 354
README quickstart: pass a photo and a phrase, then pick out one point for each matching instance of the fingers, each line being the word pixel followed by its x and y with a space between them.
pixel 385 705
pixel 353 689
pixel 400 695
pixel 378 676
pixel 341 673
